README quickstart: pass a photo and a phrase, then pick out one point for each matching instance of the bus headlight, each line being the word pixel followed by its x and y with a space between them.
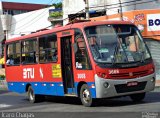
pixel 153 79
pixel 106 85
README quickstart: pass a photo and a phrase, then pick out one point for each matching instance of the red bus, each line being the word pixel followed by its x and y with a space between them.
pixel 87 60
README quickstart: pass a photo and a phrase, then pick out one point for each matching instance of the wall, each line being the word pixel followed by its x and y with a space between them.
pixel 71 7
pixel 29 22
pixel 111 6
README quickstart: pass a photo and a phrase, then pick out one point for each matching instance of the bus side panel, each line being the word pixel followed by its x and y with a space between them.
pixel 39 76
pixel 18 87
pixel 85 76
pixel 53 88
pixel 42 88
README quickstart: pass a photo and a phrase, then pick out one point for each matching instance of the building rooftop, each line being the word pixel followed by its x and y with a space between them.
pixel 22 6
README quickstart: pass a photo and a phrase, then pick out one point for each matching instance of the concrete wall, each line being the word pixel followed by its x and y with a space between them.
pixel 113 6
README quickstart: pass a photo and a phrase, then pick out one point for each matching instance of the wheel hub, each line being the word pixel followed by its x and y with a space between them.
pixel 86 96
pixel 31 95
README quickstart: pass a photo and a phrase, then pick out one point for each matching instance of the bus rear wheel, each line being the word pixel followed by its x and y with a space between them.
pixel 31 95
pixel 33 98
pixel 137 97
pixel 85 96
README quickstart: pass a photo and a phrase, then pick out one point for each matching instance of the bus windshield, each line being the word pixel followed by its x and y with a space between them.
pixel 116 44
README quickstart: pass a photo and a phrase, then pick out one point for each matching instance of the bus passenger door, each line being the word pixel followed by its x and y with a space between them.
pixel 66 62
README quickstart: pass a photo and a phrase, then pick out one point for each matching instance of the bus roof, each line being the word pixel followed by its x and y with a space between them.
pixel 67 27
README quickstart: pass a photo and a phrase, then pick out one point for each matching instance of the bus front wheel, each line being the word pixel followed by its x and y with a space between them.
pixel 85 96
pixel 137 97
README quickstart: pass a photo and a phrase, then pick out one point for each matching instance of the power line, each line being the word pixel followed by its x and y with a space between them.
pixel 67 18
pixel 34 16
pixel 101 6
pixel 39 15
pixel 31 19
pixel 130 4
pixel 64 19
pixel 26 17
pixel 122 4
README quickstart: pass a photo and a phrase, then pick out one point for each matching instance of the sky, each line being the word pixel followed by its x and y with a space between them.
pixel 35 1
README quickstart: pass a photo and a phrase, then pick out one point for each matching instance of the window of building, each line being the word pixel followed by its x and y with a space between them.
pixel 48 48
pixel 81 55
pixel 29 51
pixel 13 53
pixel 14 12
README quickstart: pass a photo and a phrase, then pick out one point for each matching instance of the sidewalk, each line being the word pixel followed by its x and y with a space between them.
pixel 3 85
pixel 157 83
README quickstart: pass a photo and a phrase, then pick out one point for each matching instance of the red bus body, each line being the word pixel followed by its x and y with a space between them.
pixel 48 78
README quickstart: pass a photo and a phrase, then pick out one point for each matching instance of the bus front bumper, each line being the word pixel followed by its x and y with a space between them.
pixel 111 88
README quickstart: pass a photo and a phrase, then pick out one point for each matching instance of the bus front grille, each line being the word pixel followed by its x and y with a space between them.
pixel 129 74
pixel 122 88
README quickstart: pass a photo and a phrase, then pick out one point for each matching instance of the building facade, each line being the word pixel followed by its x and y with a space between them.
pixel 108 6
pixel 14 8
pixel 23 19
pixel 8 10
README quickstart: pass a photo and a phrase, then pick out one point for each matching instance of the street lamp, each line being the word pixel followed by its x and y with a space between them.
pixel 121 14
pixel 87 9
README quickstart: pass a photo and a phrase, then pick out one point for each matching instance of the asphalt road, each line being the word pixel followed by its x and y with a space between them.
pixel 71 107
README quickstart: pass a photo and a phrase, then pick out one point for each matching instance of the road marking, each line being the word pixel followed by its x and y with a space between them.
pixel 5 105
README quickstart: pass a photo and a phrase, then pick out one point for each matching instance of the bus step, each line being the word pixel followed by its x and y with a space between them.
pixel 73 95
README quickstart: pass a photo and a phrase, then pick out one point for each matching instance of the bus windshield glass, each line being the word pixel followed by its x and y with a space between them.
pixel 116 44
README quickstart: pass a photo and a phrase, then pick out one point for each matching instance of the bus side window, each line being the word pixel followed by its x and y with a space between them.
pixel 48 48
pixel 29 51
pixel 13 54
pixel 81 56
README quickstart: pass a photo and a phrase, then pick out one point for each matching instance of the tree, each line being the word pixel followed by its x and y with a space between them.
pixel 57 5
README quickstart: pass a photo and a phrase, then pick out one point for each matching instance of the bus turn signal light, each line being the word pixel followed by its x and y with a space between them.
pixel 102 75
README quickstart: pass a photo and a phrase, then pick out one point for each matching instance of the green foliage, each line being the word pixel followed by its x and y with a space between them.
pixel 56 14
pixel 57 5
pixel 2 77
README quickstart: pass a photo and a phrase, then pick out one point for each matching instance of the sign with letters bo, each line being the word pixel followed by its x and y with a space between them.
pixel 153 22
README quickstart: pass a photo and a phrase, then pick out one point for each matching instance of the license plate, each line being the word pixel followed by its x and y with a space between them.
pixel 132 83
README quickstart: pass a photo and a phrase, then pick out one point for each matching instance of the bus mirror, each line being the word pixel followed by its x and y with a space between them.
pixel 75 46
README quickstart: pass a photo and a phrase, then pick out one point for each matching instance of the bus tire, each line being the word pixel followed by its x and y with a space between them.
pixel 137 97
pixel 85 96
pixel 32 97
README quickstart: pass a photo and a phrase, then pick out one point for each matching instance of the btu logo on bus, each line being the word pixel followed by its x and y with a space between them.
pixel 28 73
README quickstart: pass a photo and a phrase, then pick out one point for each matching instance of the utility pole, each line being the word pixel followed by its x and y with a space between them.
pixel 87 9
pixel 121 12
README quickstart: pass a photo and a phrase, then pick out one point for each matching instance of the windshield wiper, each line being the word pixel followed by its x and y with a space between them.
pixel 142 56
pixel 114 58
